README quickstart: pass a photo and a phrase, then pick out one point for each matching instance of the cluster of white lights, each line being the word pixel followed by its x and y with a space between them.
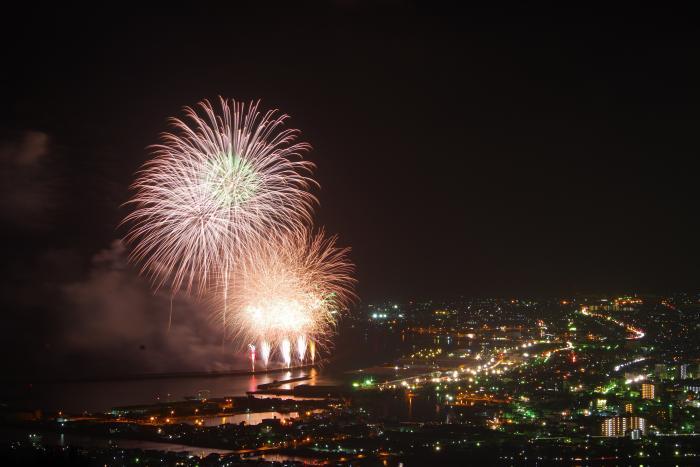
pixel 622 365
pixel 635 379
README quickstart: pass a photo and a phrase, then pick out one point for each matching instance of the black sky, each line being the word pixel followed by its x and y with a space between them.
pixel 477 152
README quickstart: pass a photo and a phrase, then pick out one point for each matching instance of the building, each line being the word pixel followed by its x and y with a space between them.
pixel 614 427
pixel 619 426
pixel 684 371
pixel 638 423
pixel 648 391
pixel 693 386
pixel 628 407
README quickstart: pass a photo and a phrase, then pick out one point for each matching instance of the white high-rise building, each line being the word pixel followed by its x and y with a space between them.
pixel 620 426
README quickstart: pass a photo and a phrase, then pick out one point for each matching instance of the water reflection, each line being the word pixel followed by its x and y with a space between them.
pixel 252 383
pixel 381 346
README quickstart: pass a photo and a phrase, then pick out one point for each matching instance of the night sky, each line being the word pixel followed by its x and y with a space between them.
pixel 484 152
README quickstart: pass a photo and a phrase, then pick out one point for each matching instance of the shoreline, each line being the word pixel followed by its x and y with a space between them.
pixel 173 375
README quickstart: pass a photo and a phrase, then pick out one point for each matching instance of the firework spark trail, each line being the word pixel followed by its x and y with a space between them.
pixel 292 289
pixel 252 356
pixel 301 348
pixel 216 186
pixel 265 350
pixel 312 351
pixel 286 349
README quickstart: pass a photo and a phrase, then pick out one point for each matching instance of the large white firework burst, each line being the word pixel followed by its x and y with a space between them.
pixel 216 185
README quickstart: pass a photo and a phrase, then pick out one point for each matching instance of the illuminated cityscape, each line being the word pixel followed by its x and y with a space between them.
pixel 578 379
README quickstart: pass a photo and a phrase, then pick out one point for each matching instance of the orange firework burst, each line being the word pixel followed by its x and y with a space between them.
pixel 291 292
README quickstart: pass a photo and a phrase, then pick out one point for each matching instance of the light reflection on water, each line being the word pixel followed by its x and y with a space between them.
pixel 377 346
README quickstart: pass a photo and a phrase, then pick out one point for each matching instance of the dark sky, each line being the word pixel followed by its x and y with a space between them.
pixel 477 152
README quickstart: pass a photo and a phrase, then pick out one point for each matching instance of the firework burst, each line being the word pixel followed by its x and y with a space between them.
pixel 292 290
pixel 215 186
